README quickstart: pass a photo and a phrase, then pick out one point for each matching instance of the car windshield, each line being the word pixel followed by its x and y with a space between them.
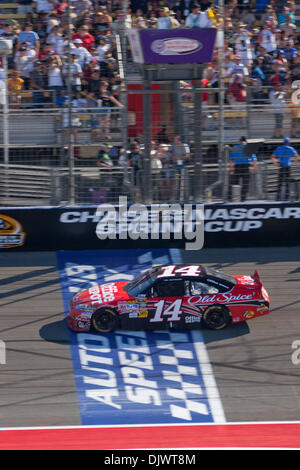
pixel 142 282
pixel 220 275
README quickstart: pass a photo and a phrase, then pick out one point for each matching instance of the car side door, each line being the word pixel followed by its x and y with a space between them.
pixel 164 301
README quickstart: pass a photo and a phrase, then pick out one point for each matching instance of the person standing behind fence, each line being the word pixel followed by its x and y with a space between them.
pixel 15 85
pixel 240 165
pixel 278 103
pixel 242 45
pixel 105 100
pixel 136 162
pixel 198 18
pixel 283 157
pixel 38 84
pixel 54 73
pixel 29 36
pixel 165 20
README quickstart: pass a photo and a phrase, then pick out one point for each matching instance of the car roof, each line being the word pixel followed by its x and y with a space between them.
pixel 160 269
pixel 203 272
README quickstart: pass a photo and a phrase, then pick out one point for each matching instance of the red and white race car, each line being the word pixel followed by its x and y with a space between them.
pixel 181 296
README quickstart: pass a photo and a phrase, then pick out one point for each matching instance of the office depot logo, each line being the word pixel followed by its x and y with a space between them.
pixel 11 232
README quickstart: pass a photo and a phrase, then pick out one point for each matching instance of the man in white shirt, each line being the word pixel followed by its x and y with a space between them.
pixel 238 68
pixel 24 59
pixel 268 38
pixel 243 45
pixel 76 72
pixel 277 97
pixel 56 40
pixel 103 49
pixel 83 55
pixel 198 19
pixel 44 5
pixel 164 21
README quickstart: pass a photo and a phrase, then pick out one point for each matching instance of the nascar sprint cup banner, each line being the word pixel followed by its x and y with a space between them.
pixel 190 227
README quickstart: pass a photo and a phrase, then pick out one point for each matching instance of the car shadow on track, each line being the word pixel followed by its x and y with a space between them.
pixel 233 331
pixel 58 332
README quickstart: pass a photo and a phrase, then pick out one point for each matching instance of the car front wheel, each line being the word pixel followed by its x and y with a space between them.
pixel 105 320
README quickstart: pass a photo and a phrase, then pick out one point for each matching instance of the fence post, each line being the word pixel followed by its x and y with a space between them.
pixel 198 176
pixel 225 173
pixel 147 131
pixel 71 173
pixel 56 194
pixel 5 114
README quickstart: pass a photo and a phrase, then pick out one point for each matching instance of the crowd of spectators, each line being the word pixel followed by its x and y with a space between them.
pixel 262 49
pixel 44 38
pixel 261 59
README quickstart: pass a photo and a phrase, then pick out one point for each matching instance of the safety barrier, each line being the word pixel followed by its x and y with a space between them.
pixel 103 226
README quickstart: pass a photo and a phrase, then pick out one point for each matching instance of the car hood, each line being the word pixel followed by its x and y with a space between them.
pixel 102 294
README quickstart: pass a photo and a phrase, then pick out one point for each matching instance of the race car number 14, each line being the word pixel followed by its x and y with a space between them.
pixel 173 311
pixel 169 271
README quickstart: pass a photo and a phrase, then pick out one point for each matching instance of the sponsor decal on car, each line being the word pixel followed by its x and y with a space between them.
pixel 218 298
pixel 249 314
pixel 262 309
pixel 108 291
pixel 143 313
pixel 193 319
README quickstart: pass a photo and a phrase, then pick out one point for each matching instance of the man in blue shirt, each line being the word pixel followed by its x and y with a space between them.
pixel 239 168
pixel 29 36
pixel 284 156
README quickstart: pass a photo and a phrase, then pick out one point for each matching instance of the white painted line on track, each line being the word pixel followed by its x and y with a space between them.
pixel 108 426
pixel 208 378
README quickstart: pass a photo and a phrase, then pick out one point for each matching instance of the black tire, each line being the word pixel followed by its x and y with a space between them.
pixel 105 320
pixel 216 317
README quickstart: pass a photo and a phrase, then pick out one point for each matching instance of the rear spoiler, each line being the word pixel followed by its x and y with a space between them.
pixel 256 278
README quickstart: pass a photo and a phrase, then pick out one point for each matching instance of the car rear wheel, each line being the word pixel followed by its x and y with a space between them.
pixel 216 317
pixel 105 320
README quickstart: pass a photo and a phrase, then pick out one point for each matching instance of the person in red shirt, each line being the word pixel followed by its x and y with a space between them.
pixel 60 7
pixel 237 97
pixel 45 52
pixel 237 91
pixel 205 102
pixel 87 39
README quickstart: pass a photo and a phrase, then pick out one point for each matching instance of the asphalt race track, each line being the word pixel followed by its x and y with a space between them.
pixel 37 381
pixel 251 362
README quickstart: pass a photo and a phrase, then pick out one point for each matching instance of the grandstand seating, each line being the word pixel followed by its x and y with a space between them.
pixel 10 11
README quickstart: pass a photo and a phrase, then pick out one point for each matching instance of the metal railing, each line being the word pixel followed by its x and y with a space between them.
pixel 173 109
pixel 35 155
pixel 28 185
pixel 32 99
